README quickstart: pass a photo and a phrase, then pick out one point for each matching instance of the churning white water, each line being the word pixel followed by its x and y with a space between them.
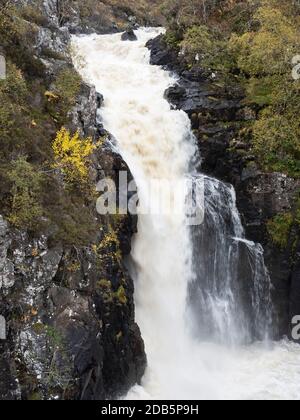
pixel 178 269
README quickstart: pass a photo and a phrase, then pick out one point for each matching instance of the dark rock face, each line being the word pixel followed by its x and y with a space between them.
pixel 78 16
pixel 129 35
pixel 70 319
pixel 69 310
pixel 161 54
pixel 261 197
pixel 217 115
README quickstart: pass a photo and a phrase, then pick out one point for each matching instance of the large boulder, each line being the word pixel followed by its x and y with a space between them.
pixel 161 54
pixel 129 35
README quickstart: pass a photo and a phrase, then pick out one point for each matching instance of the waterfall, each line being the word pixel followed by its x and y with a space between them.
pixel 230 294
pixel 202 292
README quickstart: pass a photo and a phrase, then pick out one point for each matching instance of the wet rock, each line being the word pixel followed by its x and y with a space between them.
pixel 194 97
pixel 84 113
pixel 100 100
pixel 162 54
pixel 129 35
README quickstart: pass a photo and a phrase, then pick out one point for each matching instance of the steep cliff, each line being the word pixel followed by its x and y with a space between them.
pixel 219 118
pixel 65 293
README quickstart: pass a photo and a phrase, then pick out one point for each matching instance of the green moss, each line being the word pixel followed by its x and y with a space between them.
pixel 56 340
pixel 172 39
pixel 39 328
pixel 276 141
pixel 48 53
pixel 33 13
pixel 26 210
pixel 105 289
pixel 74 267
pixel 120 295
pixel 62 98
pixel 261 91
pixel 109 247
pixel 279 229
pixel 104 284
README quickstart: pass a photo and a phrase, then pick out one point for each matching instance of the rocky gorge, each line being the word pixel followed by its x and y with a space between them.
pixel 69 308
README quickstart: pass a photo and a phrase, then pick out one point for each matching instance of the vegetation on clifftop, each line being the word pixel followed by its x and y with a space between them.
pixel 254 42
pixel 105 14
pixel 34 106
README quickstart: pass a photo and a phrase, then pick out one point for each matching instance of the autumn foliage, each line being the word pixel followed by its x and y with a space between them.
pixel 71 155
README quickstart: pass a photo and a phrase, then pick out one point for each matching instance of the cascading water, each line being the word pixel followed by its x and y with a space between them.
pixel 230 297
pixel 198 288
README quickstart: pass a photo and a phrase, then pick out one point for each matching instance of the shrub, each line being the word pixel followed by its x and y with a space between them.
pixel 26 209
pixel 66 87
pixel 13 92
pixel 270 49
pixel 109 248
pixel 279 229
pixel 172 39
pixel 71 154
pixel 32 194
pixel 276 142
pixel 206 47
pixel 186 13
pixel 14 86
pixel 8 26
pixel 197 41
pixel 260 91
pixel 33 13
pixel 265 54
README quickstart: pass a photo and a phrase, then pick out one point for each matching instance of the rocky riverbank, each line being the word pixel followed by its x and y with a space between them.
pixel 219 120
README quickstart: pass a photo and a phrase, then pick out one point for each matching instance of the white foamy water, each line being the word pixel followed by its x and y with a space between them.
pixel 156 142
